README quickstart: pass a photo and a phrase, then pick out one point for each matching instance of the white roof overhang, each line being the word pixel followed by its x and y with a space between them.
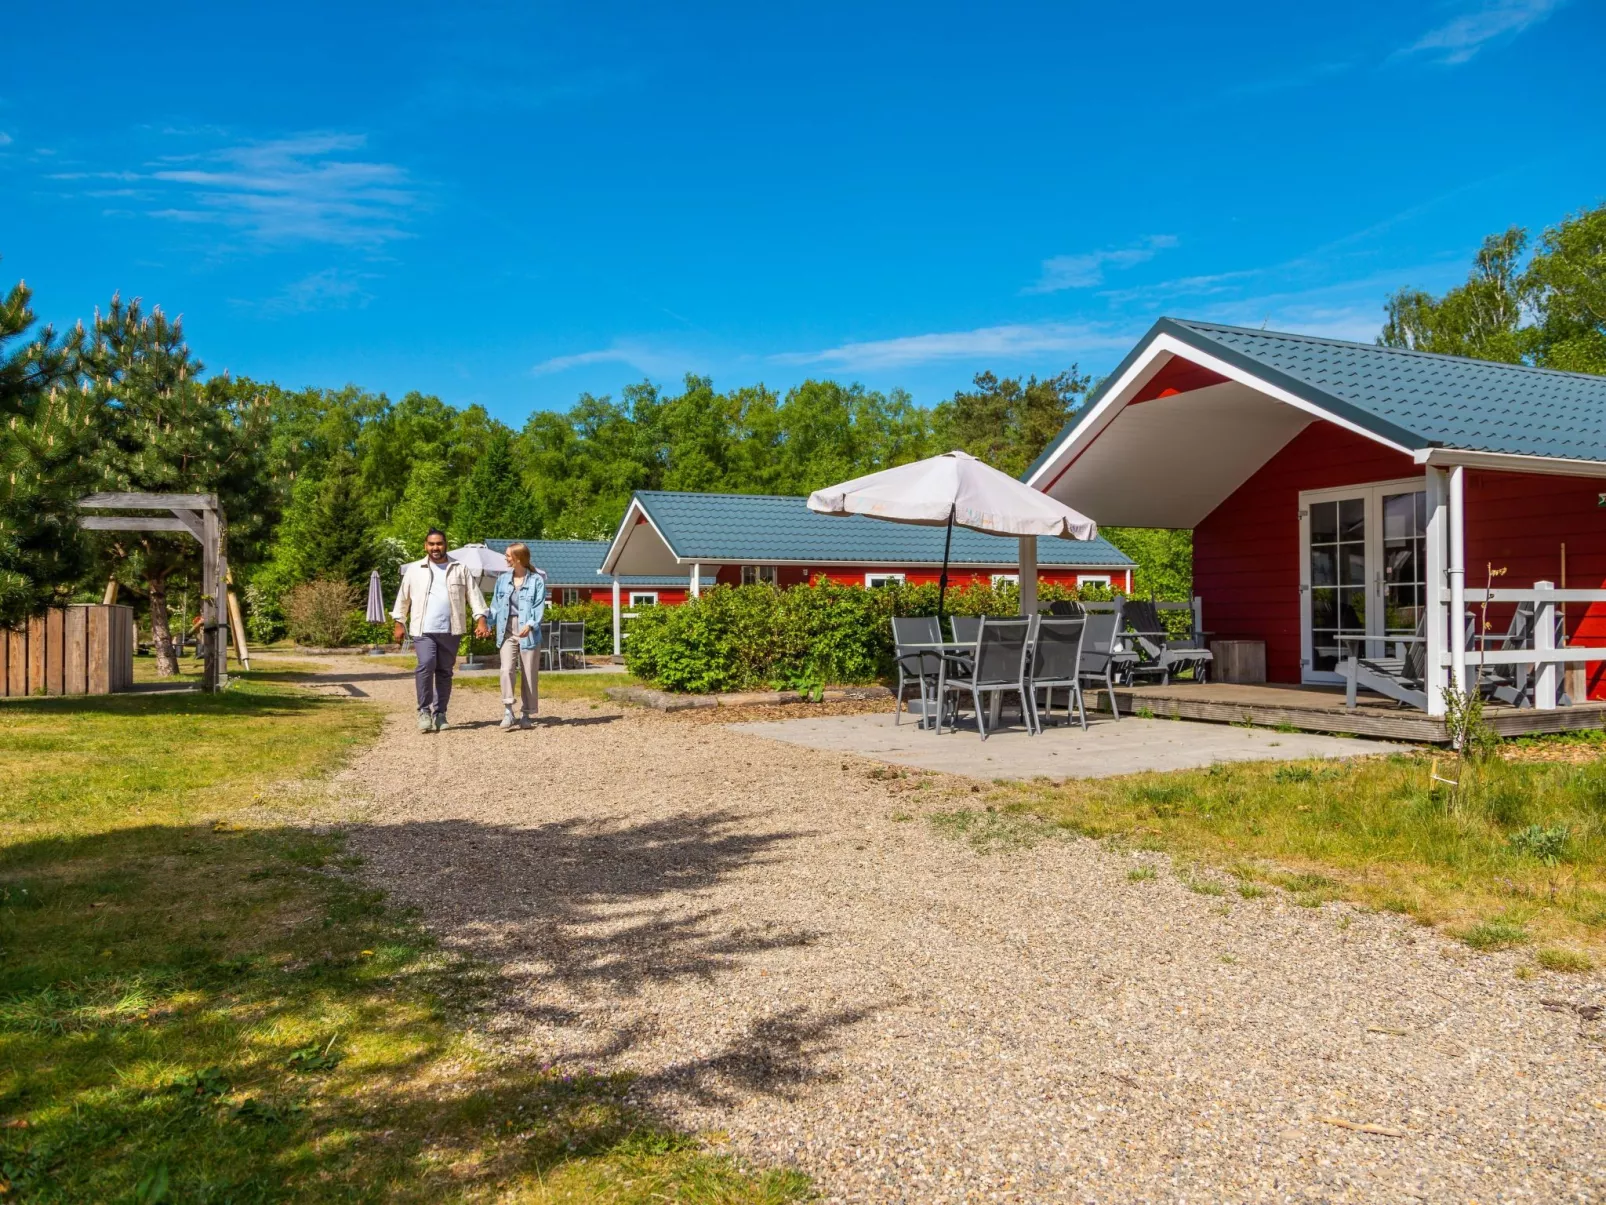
pixel 1170 461
pixel 639 548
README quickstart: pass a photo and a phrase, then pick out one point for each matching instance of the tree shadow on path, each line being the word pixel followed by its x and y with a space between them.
pixel 585 918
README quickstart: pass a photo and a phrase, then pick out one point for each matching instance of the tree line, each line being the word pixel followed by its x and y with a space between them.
pixel 332 483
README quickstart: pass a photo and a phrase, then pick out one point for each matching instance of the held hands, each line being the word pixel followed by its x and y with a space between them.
pixel 480 629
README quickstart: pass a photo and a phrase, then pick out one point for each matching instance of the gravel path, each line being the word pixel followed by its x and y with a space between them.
pixel 794 960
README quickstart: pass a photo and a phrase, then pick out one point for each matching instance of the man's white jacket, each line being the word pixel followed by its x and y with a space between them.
pixel 462 590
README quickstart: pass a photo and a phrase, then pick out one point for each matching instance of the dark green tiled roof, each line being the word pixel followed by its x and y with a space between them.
pixel 731 528
pixel 578 562
pixel 1415 399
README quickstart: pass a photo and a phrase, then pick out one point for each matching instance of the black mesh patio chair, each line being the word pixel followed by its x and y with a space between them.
pixel 1065 608
pixel 916 667
pixel 1164 654
pixel 1056 664
pixel 966 628
pixel 998 665
pixel 1104 658
pixel 549 646
pixel 572 643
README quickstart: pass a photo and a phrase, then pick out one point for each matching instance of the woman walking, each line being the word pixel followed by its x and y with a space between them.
pixel 517 606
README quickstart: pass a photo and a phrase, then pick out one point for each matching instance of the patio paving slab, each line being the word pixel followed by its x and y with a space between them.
pixel 1106 749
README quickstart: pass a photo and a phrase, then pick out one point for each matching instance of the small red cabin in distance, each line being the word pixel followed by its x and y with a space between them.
pixel 1346 495
pixel 739 539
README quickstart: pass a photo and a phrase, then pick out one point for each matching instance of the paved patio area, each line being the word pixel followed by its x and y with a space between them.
pixel 1107 748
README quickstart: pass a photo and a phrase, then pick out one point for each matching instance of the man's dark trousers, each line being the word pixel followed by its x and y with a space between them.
pixel 437 655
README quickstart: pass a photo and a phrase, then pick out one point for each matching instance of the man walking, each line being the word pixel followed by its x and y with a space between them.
pixel 434 602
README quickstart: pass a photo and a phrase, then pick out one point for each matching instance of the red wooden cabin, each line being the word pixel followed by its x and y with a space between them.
pixel 1338 490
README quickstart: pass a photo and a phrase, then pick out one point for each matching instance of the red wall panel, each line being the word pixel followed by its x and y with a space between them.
pixel 1246 551
pixel 797 575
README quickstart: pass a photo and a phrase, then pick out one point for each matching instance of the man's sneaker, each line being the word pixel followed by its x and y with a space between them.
pixel 440 721
pixel 526 721
pixel 507 719
pixel 426 722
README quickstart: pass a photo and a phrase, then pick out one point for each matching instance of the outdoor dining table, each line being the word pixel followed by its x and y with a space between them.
pixel 945 649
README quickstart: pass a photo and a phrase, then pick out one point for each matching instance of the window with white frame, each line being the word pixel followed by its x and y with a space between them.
pixel 758 575
pixel 1005 579
pixel 1093 579
pixel 569 596
pixel 875 581
pixel 644 598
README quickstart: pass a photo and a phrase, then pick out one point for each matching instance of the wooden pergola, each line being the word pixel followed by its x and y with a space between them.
pixel 202 517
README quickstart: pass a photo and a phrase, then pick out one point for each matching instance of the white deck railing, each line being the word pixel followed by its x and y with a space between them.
pixel 1544 655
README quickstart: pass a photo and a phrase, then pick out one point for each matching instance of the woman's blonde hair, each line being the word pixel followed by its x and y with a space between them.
pixel 519 553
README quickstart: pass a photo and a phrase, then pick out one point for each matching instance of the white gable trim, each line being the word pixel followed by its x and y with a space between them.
pixel 1139 374
pixel 628 525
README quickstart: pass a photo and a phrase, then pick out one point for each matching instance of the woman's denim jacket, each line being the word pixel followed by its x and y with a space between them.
pixel 532 602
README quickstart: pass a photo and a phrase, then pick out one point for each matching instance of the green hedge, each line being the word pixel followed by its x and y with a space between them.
pixel 749 637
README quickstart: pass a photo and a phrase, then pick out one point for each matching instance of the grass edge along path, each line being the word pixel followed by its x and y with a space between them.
pixel 1515 859
pixel 196 1005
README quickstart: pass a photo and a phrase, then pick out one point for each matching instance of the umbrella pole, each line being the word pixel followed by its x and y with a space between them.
pixel 942 582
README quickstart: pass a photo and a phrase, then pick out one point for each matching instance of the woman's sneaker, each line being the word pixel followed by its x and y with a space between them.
pixel 440 721
pixel 507 719
pixel 426 722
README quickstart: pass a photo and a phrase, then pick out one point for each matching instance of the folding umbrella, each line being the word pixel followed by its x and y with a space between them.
pixel 952 488
pixel 376 599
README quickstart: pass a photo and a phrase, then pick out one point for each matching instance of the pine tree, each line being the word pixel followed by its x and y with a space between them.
pixel 42 432
pixel 338 542
pixel 495 504
pixel 161 431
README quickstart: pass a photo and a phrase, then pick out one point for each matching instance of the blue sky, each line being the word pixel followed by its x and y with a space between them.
pixel 513 205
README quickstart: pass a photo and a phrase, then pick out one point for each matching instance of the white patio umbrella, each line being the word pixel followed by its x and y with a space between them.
pixel 954 487
pixel 376 599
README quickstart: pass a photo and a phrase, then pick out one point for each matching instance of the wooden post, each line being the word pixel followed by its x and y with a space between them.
pixel 1435 643
pixel 1545 675
pixel 1028 575
pixel 617 642
pixel 1457 570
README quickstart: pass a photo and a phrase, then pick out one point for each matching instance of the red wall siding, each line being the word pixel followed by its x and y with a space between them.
pixel 1519 521
pixel 1246 551
pixel 797 575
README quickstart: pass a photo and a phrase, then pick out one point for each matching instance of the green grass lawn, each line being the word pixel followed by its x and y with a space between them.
pixel 199 1005
pixel 1516 858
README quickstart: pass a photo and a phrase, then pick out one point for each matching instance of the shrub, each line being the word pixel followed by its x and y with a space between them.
pixel 745 637
pixel 319 613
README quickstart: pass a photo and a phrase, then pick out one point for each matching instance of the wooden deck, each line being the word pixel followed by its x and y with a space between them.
pixel 1321 709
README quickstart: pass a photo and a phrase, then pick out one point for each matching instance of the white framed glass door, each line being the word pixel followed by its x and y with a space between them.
pixel 1363 569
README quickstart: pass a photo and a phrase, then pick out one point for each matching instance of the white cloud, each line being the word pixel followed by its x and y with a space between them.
pixel 652 361
pixel 329 289
pixel 5 139
pixel 988 342
pixel 1458 40
pixel 1087 269
pixel 310 188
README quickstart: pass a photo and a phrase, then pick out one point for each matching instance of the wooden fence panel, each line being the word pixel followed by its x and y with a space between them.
pixel 75 651
pixel 55 651
pixel 100 651
pixel 36 655
pixel 17 662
